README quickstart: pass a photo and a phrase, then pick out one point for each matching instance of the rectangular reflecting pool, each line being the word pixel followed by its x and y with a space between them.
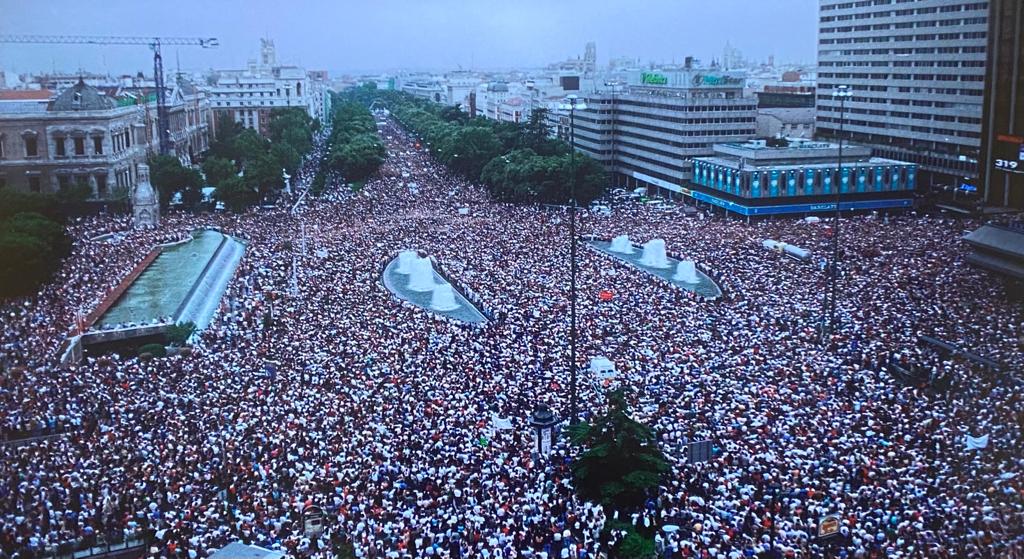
pixel 159 292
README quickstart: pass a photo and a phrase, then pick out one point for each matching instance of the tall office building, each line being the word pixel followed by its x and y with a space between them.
pixel 916 69
pixel 1002 141
pixel 647 132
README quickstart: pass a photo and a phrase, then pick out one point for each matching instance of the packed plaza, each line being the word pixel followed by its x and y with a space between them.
pixel 382 413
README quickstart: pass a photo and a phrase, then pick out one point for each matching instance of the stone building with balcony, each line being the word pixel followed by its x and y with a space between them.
pixel 87 136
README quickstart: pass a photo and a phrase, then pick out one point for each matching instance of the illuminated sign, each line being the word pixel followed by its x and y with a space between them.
pixel 710 80
pixel 650 78
pixel 1008 153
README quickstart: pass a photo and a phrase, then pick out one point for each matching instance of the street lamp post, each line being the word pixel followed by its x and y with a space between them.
pixel 828 318
pixel 571 103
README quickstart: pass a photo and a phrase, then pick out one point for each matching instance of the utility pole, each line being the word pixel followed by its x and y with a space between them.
pixel 828 318
pixel 572 102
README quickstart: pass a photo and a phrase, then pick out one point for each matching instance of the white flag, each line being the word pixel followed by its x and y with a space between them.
pixel 977 442
pixel 499 422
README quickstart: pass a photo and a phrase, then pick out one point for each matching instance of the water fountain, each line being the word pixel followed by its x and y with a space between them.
pixel 654 254
pixel 622 245
pixel 443 298
pixel 421 278
pixel 405 261
pixel 686 272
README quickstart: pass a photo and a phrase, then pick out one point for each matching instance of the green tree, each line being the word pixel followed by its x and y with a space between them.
pixel 13 202
pixel 24 264
pixel 248 145
pixel 359 158
pixel 31 249
pixel 620 464
pixel 218 170
pixel 178 334
pixel 236 194
pixel 169 176
pixel 469 149
pixel 286 157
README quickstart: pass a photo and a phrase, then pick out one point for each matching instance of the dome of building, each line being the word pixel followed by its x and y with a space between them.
pixel 82 97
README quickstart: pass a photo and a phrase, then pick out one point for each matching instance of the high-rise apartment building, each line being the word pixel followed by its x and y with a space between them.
pixel 916 69
pixel 1002 142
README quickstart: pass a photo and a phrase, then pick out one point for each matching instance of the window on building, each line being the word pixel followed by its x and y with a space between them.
pixel 101 185
pixel 31 146
pixel 3 182
pixel 79 146
pixel 33 183
pixel 97 145
pixel 63 182
pixel 59 145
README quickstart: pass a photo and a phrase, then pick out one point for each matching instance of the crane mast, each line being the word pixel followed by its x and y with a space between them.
pixel 162 114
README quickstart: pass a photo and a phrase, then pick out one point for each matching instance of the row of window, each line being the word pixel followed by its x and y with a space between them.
pixel 915 77
pixel 904 63
pixel 30 143
pixel 905 38
pixel 902 51
pixel 912 25
pixel 801 182
pixel 674 132
pixel 923 90
pixel 903 127
pixel 949 8
pixel 904 114
pixel 685 121
pixel 689 108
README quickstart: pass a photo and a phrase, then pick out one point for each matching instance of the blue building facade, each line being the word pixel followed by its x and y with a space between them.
pixel 752 179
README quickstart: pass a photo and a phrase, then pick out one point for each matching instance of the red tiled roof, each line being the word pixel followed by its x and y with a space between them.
pixel 25 94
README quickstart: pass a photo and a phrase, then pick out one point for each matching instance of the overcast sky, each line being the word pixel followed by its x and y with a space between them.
pixel 375 35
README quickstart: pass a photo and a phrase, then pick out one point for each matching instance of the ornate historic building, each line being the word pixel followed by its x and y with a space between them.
pixel 88 136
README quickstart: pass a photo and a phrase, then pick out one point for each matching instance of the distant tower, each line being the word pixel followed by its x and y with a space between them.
pixel 268 54
pixel 145 203
pixel 590 58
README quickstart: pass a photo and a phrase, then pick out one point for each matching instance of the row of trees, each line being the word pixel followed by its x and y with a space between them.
pixel 355 148
pixel 32 241
pixel 519 162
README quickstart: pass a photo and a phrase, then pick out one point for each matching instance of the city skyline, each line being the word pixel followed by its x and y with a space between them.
pixel 410 36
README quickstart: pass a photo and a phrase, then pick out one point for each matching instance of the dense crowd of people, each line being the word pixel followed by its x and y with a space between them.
pixel 330 393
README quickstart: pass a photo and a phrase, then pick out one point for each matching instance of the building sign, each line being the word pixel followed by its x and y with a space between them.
pixel 709 80
pixel 809 181
pixel 1008 153
pixel 773 184
pixel 791 183
pixel 858 205
pixel 651 78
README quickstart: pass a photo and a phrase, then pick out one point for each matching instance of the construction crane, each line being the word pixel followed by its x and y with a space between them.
pixel 162 117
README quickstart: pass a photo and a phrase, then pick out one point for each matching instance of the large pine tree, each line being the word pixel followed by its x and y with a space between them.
pixel 621 462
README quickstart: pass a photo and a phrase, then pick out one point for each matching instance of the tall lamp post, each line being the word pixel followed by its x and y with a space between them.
pixel 828 318
pixel 571 103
